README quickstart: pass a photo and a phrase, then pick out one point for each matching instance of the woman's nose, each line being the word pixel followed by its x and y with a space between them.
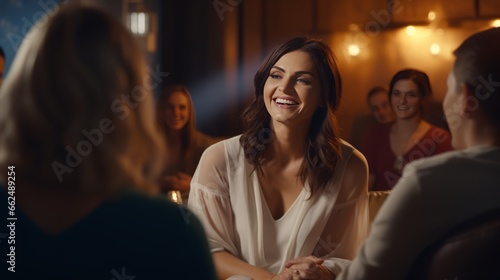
pixel 286 86
pixel 403 99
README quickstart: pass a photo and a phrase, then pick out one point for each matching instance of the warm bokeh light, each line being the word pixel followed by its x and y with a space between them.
pixel 496 23
pixel 431 16
pixel 353 50
pixel 410 30
pixel 435 49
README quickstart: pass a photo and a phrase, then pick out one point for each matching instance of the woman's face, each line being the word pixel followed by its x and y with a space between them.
pixel 177 111
pixel 406 100
pixel 381 108
pixel 292 89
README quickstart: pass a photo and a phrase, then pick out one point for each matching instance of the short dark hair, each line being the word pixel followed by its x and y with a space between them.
pixel 2 54
pixel 477 65
pixel 374 91
pixel 418 77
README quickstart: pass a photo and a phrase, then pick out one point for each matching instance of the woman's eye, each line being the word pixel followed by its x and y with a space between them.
pixel 303 81
pixel 275 76
pixel 395 93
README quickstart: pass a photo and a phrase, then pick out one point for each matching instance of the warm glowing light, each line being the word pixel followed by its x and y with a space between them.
pixel 435 49
pixel 353 27
pixel 353 50
pixel 139 23
pixel 410 30
pixel 496 23
pixel 431 16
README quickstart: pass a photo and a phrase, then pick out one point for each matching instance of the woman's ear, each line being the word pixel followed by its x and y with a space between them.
pixel 467 100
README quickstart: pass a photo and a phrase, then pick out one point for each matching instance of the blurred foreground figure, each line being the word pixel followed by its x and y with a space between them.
pixel 80 159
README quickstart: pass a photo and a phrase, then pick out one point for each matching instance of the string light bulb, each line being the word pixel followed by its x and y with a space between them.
pixel 410 30
pixel 431 15
pixel 435 49
pixel 353 50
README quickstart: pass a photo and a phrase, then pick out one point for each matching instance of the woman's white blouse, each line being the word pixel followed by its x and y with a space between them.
pixel 226 196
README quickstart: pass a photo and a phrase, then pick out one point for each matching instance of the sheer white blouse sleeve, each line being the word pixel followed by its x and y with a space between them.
pixel 332 224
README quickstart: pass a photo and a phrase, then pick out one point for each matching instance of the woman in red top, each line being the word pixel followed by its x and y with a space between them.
pixel 389 147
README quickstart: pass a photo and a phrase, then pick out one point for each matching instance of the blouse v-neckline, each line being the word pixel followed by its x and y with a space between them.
pixel 399 160
pixel 283 217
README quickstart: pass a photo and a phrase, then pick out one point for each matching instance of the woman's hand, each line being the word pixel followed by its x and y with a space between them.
pixel 306 268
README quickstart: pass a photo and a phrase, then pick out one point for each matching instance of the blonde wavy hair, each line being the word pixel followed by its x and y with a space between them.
pixel 76 111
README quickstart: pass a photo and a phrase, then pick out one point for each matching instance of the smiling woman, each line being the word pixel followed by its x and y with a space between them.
pixel 176 120
pixel 287 198
pixel 292 91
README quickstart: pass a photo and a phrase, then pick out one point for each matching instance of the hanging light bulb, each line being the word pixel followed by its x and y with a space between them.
pixel 410 30
pixel 431 15
pixel 435 49
pixel 353 50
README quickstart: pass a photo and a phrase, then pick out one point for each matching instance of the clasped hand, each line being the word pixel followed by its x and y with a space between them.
pixel 304 268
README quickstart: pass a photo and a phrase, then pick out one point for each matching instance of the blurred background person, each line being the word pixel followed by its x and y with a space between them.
pixel 381 112
pixel 380 106
pixel 389 147
pixel 83 164
pixel 438 196
pixel 184 143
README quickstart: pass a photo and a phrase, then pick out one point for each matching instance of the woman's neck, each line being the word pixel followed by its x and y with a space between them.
pixel 174 137
pixel 407 126
pixel 288 143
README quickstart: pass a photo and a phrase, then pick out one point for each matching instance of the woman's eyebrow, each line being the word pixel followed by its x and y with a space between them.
pixel 297 73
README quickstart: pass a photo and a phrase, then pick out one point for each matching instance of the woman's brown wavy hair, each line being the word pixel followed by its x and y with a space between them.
pixel 323 147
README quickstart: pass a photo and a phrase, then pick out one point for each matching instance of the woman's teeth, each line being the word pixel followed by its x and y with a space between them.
pixel 285 101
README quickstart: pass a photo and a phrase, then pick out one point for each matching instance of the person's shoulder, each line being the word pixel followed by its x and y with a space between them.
pixel 156 213
pixel 354 171
pixel 453 160
pixel 231 145
pixel 218 153
pixel 353 157
pixel 349 151
pixel 153 207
